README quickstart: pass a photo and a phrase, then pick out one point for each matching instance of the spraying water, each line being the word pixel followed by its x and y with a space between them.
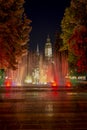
pixel 34 68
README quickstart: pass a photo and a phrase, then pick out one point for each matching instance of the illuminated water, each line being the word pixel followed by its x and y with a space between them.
pixel 33 69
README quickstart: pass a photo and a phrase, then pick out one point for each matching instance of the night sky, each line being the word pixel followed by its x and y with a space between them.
pixel 46 16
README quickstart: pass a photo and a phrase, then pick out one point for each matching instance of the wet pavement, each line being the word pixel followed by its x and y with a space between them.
pixel 43 108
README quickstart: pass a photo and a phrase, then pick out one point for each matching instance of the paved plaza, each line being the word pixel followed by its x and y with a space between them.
pixel 43 108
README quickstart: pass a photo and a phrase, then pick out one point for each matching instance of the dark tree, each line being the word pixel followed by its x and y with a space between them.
pixel 78 46
pixel 74 26
pixel 14 32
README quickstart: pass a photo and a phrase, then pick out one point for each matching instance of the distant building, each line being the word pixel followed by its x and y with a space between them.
pixel 48 48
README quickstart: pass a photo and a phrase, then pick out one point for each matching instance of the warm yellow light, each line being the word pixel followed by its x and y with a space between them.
pixel 28 79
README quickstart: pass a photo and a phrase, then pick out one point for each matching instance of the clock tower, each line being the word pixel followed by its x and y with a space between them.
pixel 48 48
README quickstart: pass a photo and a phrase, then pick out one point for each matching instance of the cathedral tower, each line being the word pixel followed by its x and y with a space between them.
pixel 48 48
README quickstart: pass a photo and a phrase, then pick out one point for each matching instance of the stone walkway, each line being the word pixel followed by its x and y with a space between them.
pixel 42 108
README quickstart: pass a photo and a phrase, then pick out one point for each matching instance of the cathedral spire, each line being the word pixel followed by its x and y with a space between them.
pixel 48 39
pixel 37 49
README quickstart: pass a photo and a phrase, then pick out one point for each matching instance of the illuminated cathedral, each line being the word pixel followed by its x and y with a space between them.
pixel 48 49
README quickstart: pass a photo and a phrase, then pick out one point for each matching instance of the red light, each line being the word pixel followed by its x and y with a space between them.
pixel 68 84
pixel 54 87
pixel 54 83
pixel 8 83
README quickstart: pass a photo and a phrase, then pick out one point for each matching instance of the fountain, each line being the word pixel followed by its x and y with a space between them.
pixel 43 71
pixel 61 67
pixel 34 68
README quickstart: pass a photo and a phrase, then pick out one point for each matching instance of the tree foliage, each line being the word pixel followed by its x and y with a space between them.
pixel 78 47
pixel 74 33
pixel 14 32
